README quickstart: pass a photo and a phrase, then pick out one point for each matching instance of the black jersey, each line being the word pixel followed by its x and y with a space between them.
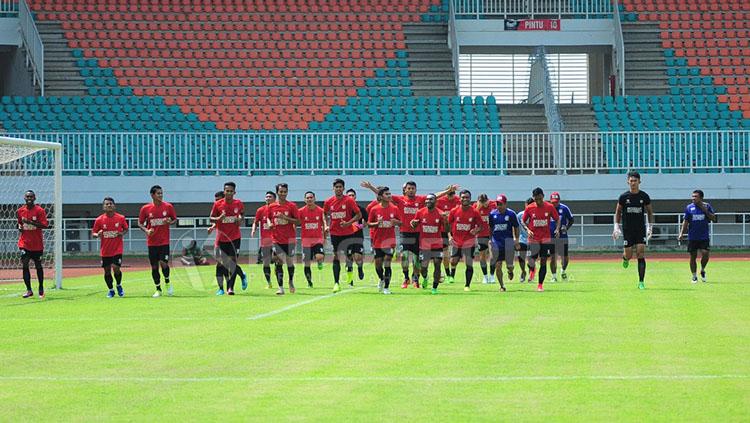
pixel 634 211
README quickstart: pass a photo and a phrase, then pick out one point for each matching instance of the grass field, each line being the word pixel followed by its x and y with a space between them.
pixel 594 348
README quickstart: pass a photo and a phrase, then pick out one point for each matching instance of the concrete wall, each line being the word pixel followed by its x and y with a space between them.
pixel 574 32
pixel 15 77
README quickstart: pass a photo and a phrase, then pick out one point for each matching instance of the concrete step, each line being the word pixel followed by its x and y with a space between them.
pixel 433 92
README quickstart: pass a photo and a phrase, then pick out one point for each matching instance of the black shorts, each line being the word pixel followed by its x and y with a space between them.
pixel 340 244
pixel 309 253
pixel 266 252
pixel 561 246
pixel 410 242
pixel 483 243
pixel 426 255
pixel 498 255
pixel 230 249
pixel 356 245
pixel 446 240
pixel 158 253
pixel 114 260
pixel 544 250
pixel 32 255
pixel 702 244
pixel 633 238
pixel 286 249
pixel 466 252
pixel 383 252
pixel 522 247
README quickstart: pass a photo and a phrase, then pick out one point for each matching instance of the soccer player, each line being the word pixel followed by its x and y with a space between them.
pixel 503 223
pixel 445 204
pixel 282 217
pixel 561 244
pixel 484 206
pixel 110 227
pixel 698 214
pixel 32 219
pixel 154 220
pixel 383 219
pixel 228 214
pixel 357 245
pixel 313 230
pixel 266 238
pixel 343 212
pixel 631 210
pixel 465 223
pixel 430 223
pixel 536 218
pixel 523 248
pixel 217 252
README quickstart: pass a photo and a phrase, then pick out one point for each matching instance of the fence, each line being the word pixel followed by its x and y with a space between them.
pixel 8 8
pixel 533 9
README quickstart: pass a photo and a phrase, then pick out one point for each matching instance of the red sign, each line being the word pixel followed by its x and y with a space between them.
pixel 532 25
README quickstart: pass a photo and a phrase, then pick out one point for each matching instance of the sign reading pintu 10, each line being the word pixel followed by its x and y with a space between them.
pixel 532 25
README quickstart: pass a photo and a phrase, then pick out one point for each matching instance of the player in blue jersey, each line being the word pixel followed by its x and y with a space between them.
pixel 523 248
pixel 561 244
pixel 503 223
pixel 698 215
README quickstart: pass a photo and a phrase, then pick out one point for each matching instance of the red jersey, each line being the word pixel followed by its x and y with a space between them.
pixel 538 220
pixel 485 213
pixel 112 229
pixel 462 222
pixel 445 205
pixel 430 228
pixel 341 210
pixel 155 217
pixel 409 208
pixel 372 204
pixel 31 236
pixel 228 228
pixel 261 216
pixel 283 232
pixel 311 223
pixel 383 235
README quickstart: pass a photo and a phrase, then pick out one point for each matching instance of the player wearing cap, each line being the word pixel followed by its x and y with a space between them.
pixel 503 224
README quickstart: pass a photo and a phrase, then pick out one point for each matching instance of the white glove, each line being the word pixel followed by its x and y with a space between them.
pixel 649 231
pixel 616 232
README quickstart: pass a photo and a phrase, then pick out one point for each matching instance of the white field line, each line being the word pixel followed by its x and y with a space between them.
pixel 371 379
pixel 301 303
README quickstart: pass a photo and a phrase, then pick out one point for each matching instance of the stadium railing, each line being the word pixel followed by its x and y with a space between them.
pixel 435 153
pixel 505 9
pixel 618 53
pixel 590 232
pixel 32 41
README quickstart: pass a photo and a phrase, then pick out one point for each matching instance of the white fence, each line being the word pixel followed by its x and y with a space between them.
pixel 533 9
pixel 9 7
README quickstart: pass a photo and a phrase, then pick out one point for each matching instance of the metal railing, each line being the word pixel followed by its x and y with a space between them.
pixel 591 231
pixel 618 51
pixel 9 7
pixel 533 9
pixel 453 43
pixel 311 153
pixel 551 111
pixel 32 42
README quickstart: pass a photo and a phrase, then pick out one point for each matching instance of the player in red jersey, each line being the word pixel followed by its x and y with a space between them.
pixel 430 223
pixel 283 217
pixel 342 212
pixel 445 204
pixel 266 240
pixel 31 220
pixel 484 206
pixel 110 227
pixel 383 219
pixel 228 213
pixel 536 221
pixel 357 246
pixel 465 223
pixel 313 231
pixel 154 220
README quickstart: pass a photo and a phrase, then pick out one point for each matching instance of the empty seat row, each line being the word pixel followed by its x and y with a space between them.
pixel 120 25
pixel 321 36
pixel 236 17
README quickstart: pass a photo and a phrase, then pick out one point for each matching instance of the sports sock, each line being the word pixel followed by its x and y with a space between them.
pixel 469 274
pixel 361 270
pixel 165 271
pixel 267 273
pixel 542 273
pixel 336 270
pixel 483 265
pixel 118 277
pixel 220 275
pixel 279 275
pixel 290 269
pixel 27 278
pixel 379 271
pixel 308 274
pixel 155 276
pixel 387 277
pixel 641 269
pixel 40 275
pixel 108 280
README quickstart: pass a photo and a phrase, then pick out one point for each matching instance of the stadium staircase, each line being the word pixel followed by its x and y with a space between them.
pixel 645 70
pixel 430 60
pixel 523 118
pixel 62 76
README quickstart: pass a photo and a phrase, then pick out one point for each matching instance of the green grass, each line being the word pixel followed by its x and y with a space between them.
pixel 595 348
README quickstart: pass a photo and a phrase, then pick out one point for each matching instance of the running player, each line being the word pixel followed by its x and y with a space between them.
pixel 430 223
pixel 217 253
pixel 343 212
pixel 632 207
pixel 445 204
pixel 32 219
pixel 154 220
pixel 266 238
pixel 695 222
pixel 561 244
pixel 465 223
pixel 313 230
pixel 228 214
pixel 523 248
pixel 357 245
pixel 110 227
pixel 484 206
pixel 282 217
pixel 536 220
pixel 504 226
pixel 383 219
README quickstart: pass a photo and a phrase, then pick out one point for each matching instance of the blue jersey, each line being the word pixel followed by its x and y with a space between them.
pixel 566 218
pixel 698 229
pixel 501 225
pixel 523 236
